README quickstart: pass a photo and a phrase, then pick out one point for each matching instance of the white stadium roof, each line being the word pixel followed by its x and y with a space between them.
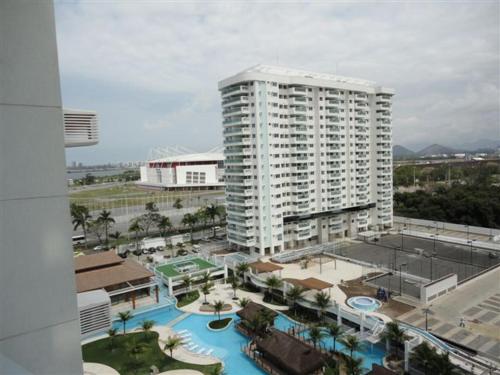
pixel 206 156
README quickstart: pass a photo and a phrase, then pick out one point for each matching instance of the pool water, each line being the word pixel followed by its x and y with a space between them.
pixel 363 303
pixel 227 344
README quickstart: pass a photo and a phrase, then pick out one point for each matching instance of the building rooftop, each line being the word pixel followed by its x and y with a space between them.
pixel 190 157
pixel 252 309
pixel 106 273
pixel 94 261
pixel 309 283
pixel 264 267
pixel 289 353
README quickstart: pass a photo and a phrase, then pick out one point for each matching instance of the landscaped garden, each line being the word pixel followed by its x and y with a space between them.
pixel 135 353
pixel 220 324
pixel 188 298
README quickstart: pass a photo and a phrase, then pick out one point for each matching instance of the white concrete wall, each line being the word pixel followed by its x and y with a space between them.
pixel 209 170
pixel 39 326
pixel 438 288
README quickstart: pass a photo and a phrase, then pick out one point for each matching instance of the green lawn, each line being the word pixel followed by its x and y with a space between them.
pixel 219 324
pixel 188 298
pixel 169 269
pixel 126 363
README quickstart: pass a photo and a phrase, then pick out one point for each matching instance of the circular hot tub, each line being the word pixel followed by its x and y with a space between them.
pixel 362 303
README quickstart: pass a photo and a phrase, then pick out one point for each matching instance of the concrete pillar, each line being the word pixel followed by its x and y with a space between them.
pixel 225 272
pixel 407 356
pixel 40 328
pixel 339 314
pixel 362 323
pixel 170 287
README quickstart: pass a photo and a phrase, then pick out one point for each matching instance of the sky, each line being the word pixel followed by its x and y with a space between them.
pixel 150 68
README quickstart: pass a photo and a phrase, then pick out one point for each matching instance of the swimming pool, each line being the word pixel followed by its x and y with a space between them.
pixel 227 344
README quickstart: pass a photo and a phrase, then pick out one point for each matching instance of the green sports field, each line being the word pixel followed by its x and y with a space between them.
pixel 170 270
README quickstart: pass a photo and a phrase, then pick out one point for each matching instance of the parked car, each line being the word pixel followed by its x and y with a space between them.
pixel 100 248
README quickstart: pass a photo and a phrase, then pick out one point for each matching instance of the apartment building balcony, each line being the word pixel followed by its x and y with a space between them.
pixel 384 98
pixel 302 234
pixel 332 111
pixel 233 190
pixel 236 111
pixel 360 96
pixel 297 111
pixel 301 168
pixel 234 90
pixel 242 241
pixel 241 232
pixel 298 138
pixel 332 103
pixel 238 161
pixel 332 94
pixel 381 106
pixel 298 148
pixel 361 128
pixel 237 131
pixel 237 121
pixel 243 182
pixel 238 201
pixel 299 119
pixel 298 100
pixel 297 188
pixel 298 128
pixel 235 101
pixel 334 200
pixel 332 120
pixel 362 181
pixel 384 194
pixel 362 146
pixel 299 177
pixel 299 159
pixel 297 91
pixel 385 115
pixel 237 141
pixel 335 228
pixel 237 220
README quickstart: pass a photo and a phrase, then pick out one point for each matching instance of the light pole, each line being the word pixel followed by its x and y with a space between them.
pixel 427 310
pixel 401 278
pixel 470 242
pixel 467 226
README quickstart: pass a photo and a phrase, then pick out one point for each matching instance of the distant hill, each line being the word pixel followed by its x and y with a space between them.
pixel 482 145
pixel 401 152
pixel 436 149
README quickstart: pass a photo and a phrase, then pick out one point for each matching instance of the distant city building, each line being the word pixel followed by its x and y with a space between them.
pixel 308 158
pixel 80 128
pixel 189 171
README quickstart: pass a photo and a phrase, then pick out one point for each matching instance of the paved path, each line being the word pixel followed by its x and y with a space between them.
pixel 478 301
pixel 91 368
pixel 181 372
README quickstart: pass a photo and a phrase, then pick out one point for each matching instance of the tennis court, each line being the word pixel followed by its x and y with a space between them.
pixel 184 266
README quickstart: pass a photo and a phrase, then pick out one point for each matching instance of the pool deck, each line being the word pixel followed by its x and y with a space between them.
pixel 225 292
pixel 92 368
pixel 181 353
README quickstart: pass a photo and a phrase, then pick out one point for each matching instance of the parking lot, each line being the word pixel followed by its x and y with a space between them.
pixel 420 261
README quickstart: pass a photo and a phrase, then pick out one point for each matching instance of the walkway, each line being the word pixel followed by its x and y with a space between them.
pixel 91 368
pixel 181 353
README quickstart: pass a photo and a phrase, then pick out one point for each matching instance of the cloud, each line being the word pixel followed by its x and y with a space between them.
pixel 441 57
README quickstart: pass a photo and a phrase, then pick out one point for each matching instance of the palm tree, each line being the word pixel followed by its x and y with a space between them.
pixel 273 282
pixel 80 218
pixel 190 220
pixel 212 212
pixel 201 213
pixel 322 301
pixel 172 343
pixel 150 217
pixel 124 318
pixel 135 348
pixel 354 366
pixel 244 301
pixel 267 317
pixel 241 269
pixel 316 335
pixel 395 335
pixel 164 225
pixel 352 343
pixel 205 289
pixel 442 364
pixel 234 285
pixel 336 332
pixel 294 294
pixel 177 203
pixel 107 220
pixel 147 326
pixel 112 334
pixel 218 306
pixel 187 281
pixel 256 325
pixel 116 236
pixel 423 355
pixel 136 227
pixel 205 278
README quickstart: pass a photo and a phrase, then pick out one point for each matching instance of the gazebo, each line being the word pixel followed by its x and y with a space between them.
pixel 288 354
pixel 251 311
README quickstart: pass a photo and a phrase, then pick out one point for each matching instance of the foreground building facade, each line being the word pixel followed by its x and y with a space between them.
pixel 308 158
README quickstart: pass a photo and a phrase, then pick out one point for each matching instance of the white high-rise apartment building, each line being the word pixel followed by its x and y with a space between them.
pixel 308 157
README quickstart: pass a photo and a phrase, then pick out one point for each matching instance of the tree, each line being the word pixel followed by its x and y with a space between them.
pixel 201 214
pixel 316 335
pixel 205 289
pixel 180 245
pixel 164 225
pixel 244 301
pixel 218 307
pixel 423 356
pixel 212 212
pixel 354 366
pixel 80 218
pixel 205 278
pixel 107 221
pixel 234 285
pixel 124 317
pixel 336 332
pixel 395 335
pixel 322 301
pixel 147 326
pixel 294 294
pixel 136 348
pixel 177 203
pixel 97 227
pixel 136 227
pixel 112 335
pixel 241 269
pixel 352 343
pixel 273 282
pixel 187 281
pixel 116 236
pixel 217 370
pixel 172 343
pixel 190 220
pixel 150 217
